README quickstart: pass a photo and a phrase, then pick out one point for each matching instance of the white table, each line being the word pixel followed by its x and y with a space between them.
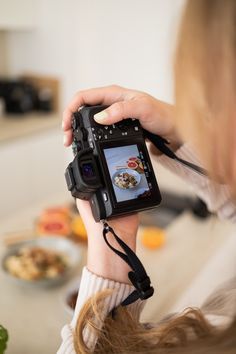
pixel 34 317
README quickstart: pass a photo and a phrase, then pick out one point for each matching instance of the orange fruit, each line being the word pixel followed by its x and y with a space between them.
pixel 78 228
pixel 153 237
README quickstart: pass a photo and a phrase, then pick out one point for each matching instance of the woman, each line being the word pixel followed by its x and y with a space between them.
pixel 203 121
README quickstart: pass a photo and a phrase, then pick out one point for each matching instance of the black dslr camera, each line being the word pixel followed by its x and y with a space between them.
pixel 111 167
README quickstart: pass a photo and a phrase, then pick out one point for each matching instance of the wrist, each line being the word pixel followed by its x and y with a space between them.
pixel 102 261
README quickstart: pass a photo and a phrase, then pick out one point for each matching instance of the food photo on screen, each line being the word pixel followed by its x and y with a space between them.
pixel 127 172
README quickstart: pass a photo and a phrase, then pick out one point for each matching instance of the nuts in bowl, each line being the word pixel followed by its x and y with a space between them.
pixel 44 260
pixel 33 263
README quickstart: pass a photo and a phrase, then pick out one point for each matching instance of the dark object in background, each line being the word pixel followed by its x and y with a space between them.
pixel 44 100
pixel 199 209
pixel 171 207
pixel 71 299
pixel 21 96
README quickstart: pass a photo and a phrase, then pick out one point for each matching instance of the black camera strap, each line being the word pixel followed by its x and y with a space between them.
pixel 161 144
pixel 137 275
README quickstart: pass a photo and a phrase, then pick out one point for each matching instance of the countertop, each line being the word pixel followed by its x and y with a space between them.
pixel 34 317
pixel 19 126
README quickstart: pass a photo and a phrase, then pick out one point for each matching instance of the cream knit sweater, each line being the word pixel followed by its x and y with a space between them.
pixel 218 200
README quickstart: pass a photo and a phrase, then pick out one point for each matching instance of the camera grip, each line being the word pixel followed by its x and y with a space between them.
pixel 98 208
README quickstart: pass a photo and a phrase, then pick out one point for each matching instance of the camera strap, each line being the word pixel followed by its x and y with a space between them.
pixel 137 275
pixel 161 144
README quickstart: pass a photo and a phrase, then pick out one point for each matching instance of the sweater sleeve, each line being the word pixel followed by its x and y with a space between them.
pixel 215 195
pixel 90 285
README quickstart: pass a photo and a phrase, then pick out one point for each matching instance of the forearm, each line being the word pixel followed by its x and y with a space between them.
pixel 102 261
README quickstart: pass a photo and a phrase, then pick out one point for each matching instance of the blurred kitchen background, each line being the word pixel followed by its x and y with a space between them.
pixel 49 49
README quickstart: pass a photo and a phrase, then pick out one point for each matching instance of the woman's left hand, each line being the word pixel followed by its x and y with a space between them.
pixel 101 259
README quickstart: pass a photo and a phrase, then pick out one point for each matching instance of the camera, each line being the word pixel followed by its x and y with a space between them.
pixel 111 167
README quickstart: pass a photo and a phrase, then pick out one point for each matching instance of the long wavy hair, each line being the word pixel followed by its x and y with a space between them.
pixel 184 333
pixel 205 90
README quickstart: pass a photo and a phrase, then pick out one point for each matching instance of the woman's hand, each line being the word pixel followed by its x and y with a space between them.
pixel 154 115
pixel 101 260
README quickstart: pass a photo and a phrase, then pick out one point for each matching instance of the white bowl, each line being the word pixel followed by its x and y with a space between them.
pixel 59 244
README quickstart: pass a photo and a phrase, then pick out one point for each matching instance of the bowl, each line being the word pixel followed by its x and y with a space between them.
pixel 67 248
pixel 131 172
pixel 70 296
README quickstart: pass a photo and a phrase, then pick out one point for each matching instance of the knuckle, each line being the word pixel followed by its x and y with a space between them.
pixel 115 87
pixel 146 99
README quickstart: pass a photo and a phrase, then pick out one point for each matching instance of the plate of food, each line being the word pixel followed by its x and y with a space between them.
pixel 41 261
pixel 126 178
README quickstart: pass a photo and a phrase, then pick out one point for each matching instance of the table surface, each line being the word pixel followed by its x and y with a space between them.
pixel 34 317
pixel 20 126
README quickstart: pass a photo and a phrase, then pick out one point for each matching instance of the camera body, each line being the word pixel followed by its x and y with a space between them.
pixel 111 166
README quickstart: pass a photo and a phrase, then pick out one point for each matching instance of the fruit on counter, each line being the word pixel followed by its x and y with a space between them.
pixel 53 226
pixel 153 237
pixel 55 212
pixel 54 221
pixel 78 228
pixel 61 221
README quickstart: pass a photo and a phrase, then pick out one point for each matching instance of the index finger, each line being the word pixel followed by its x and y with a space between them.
pixel 103 95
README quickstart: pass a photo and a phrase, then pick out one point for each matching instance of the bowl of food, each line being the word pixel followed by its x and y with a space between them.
pixel 70 296
pixel 126 178
pixel 41 261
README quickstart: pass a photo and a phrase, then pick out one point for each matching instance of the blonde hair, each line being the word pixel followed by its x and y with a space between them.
pixel 121 334
pixel 205 89
pixel 205 84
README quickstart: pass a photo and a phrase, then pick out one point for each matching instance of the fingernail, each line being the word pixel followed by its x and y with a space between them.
pixel 62 125
pixel 64 140
pixel 101 116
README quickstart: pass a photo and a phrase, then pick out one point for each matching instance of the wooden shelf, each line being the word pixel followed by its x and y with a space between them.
pixel 19 126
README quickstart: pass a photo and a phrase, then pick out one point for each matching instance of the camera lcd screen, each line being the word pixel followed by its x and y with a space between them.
pixel 127 172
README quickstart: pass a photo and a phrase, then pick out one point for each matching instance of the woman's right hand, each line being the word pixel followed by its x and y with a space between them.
pixel 154 115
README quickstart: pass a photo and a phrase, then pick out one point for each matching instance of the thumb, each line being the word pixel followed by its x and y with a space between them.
pixel 119 111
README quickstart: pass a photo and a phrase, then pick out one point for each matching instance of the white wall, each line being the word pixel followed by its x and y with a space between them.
pixel 32 169
pixel 98 42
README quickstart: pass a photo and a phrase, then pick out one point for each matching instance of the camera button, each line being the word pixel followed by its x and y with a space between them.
pixel 136 128
pixel 100 132
pixel 91 144
pixel 105 197
pixel 75 123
